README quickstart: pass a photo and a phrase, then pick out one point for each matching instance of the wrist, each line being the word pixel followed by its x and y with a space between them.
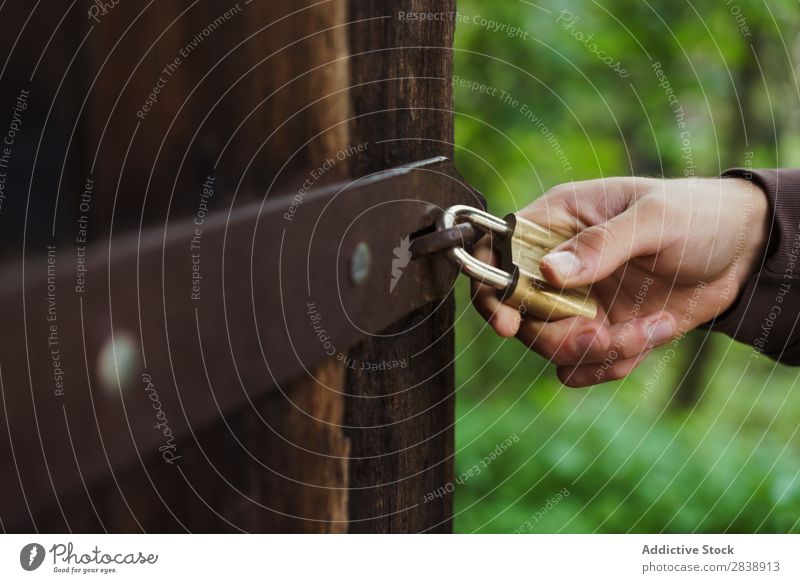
pixel 754 231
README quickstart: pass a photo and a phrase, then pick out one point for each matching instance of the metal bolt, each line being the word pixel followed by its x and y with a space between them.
pixel 360 263
pixel 117 362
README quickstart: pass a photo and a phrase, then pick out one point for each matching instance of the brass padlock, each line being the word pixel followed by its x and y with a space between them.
pixel 522 245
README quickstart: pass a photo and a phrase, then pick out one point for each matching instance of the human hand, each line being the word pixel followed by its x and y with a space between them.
pixel 662 257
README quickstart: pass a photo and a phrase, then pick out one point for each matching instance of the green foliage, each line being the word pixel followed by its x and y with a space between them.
pixel 628 457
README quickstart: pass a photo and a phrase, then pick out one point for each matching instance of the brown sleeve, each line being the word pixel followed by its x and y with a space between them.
pixel 767 313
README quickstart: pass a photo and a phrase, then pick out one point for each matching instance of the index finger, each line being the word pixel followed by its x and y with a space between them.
pixel 571 207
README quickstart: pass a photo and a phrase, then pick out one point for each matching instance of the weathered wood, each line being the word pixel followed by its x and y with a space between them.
pixel 268 86
pixel 274 92
pixel 401 421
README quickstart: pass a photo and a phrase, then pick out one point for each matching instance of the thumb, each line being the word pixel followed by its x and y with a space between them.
pixel 599 250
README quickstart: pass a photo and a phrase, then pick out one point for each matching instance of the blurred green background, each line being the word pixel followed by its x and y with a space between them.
pixel 703 440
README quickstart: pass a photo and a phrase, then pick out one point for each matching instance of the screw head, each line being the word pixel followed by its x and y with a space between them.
pixel 360 263
pixel 117 362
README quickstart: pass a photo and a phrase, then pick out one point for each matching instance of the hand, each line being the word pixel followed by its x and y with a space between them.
pixel 662 256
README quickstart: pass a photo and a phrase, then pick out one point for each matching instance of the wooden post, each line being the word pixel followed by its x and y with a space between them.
pixel 402 420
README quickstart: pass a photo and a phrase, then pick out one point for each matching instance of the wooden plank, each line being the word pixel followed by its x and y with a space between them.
pixel 401 420
pixel 254 95
pixel 279 465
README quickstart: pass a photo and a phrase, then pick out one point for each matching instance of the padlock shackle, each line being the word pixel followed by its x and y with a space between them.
pixel 487 223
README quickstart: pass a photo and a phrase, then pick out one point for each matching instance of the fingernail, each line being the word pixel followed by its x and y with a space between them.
pixel 517 323
pixel 564 263
pixel 659 331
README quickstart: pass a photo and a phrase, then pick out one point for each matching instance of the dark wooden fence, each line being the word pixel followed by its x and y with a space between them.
pixel 141 118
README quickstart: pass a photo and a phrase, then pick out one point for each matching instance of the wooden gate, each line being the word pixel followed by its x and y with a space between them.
pixel 199 329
